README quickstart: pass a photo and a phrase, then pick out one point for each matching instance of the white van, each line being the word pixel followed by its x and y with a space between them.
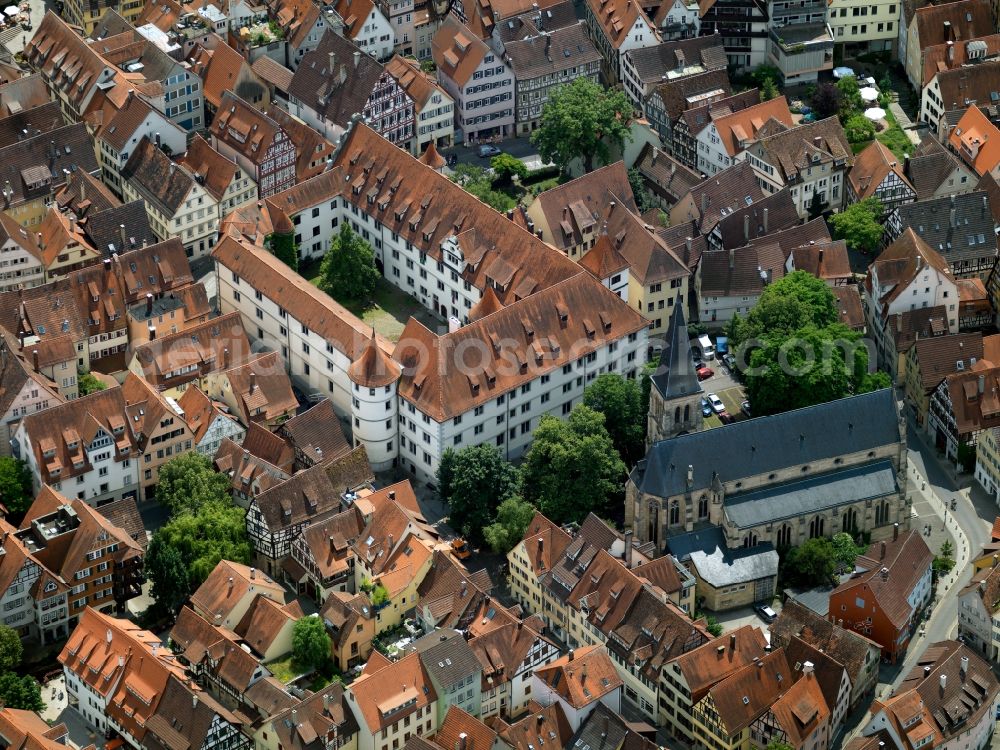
pixel 707 350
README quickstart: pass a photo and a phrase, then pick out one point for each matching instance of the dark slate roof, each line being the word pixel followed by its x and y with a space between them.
pixel 603 728
pixel 816 493
pixel 675 92
pixel 747 223
pixel 929 166
pixel 534 21
pixel 719 566
pixel 931 220
pixel 447 656
pixel 339 90
pixel 551 53
pixel 765 444
pixel 103 229
pixel 36 156
pixel 156 178
pixel 675 376
pixel 652 63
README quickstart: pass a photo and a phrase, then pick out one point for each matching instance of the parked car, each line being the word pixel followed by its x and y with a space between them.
pixel 730 362
pixel 726 418
pixel 704 373
pixel 766 613
pixel 706 408
pixel 745 408
pixel 487 151
pixel 460 549
pixel 717 406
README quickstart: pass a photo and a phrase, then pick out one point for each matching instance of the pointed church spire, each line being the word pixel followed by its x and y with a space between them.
pixel 675 376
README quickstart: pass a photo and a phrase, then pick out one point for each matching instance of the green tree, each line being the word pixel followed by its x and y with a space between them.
pixel 643 198
pixel 16 490
pixel 850 97
pixel 572 467
pixel 811 564
pixel 168 575
pixel 817 205
pixel 845 550
pixel 21 692
pixel 620 401
pixel 474 481
pixel 189 481
pixel 506 168
pixel 796 300
pixel 778 745
pixel 282 245
pixel 860 225
pixel 859 129
pixel 768 90
pixel 380 595
pixel 11 649
pixel 86 384
pixel 825 101
pixel 513 517
pixel 310 643
pixel 217 531
pixel 947 549
pixel 348 268
pixel 478 182
pixel 582 120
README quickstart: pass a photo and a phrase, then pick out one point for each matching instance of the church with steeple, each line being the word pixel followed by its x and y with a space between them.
pixel 675 395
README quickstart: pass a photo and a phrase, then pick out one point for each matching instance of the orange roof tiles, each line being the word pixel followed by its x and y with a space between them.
pixel 582 676
pixel 739 129
pixel 977 141
pixel 228 584
pixel 457 51
pixel 384 696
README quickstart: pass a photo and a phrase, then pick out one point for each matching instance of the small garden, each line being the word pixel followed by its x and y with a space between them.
pixel 507 183
pixel 392 641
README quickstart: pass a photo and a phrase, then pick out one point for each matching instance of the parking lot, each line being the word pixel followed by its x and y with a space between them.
pixel 727 388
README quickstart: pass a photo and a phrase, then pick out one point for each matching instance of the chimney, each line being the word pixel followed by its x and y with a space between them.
pixel 121 235
pixel 732 257
pixel 690 475
pixel 570 654
pixel 295 718
pixel 807 668
pixel 108 635
pixel 326 702
pixel 952 218
pixel 746 231
pixel 333 62
pixel 194 700
pixel 463 738
pixel 230 585
pixel 628 549
pixel 539 719
pixel 881 553
pixel 541 543
pixel 885 574
pixel 982 383
pixel 157 137
pixel 944 682
pixel 149 304
pixel 732 642
pixel 818 141
pixel 392 494
pixel 253 574
pixel 583 673
pixel 765 219
pixel 704 204
pixel 895 532
pixel 965 665
pixel 152 333
pixel 357 58
pixel 225 358
pixel 34 358
pixel 253 381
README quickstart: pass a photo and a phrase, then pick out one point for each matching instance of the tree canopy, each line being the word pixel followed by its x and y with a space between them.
pixel 860 225
pixel 282 244
pixel 310 643
pixel 811 564
pixel 11 649
pixel 168 576
pixel 477 181
pixel 513 517
pixel 195 542
pixel 620 401
pixel 348 269
pixel 87 383
pixel 859 129
pixel 845 551
pixel 825 101
pixel 796 352
pixel 16 490
pixel 474 481
pixel 506 167
pixel 21 691
pixel 850 97
pixel 189 481
pixel 572 467
pixel 584 120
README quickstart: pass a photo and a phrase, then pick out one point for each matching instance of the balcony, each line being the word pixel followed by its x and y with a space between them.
pixel 801 51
